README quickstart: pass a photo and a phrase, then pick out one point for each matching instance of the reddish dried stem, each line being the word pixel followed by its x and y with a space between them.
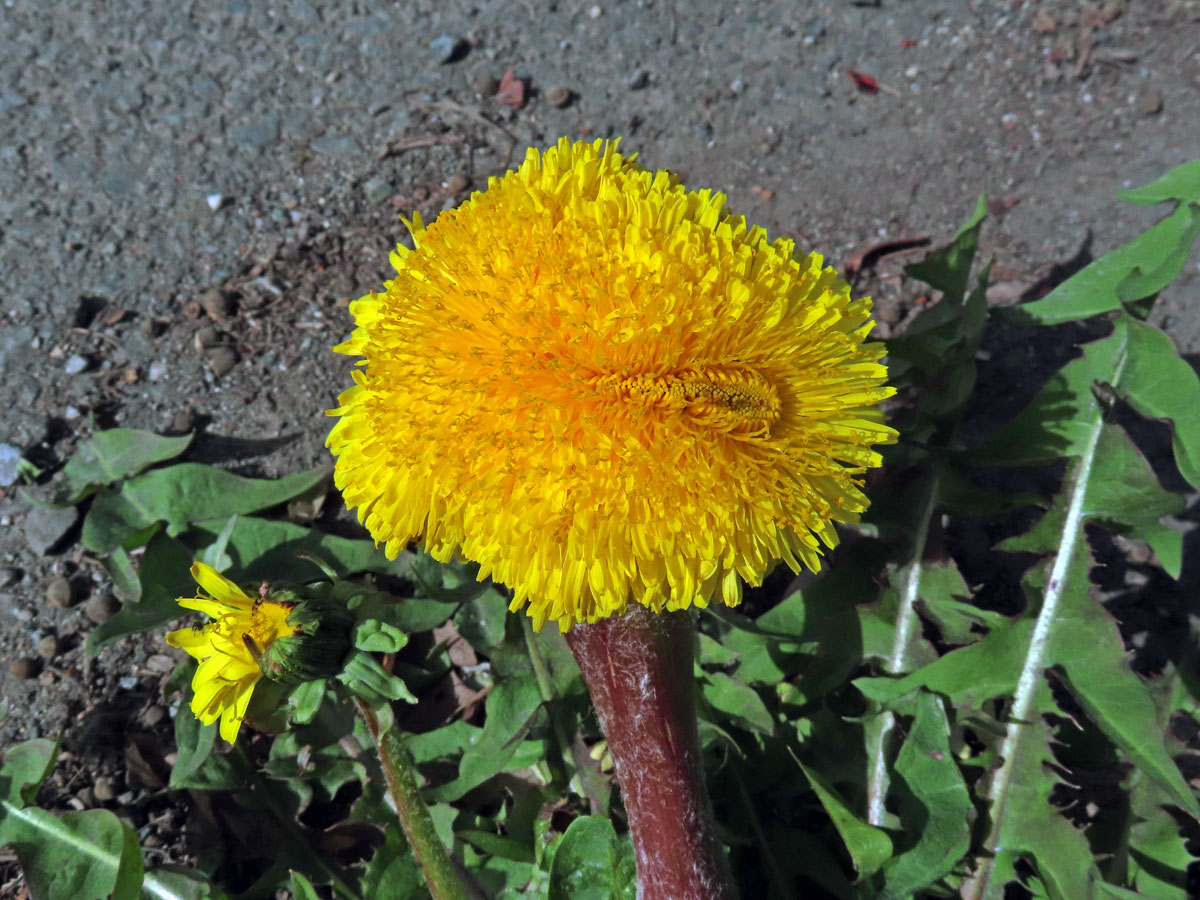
pixel 638 668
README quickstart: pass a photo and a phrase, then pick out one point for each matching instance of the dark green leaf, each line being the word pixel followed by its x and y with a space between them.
pixel 194 744
pixel 737 703
pixel 934 804
pixel 268 550
pixel 392 873
pixel 591 863
pixel 164 576
pixel 949 269
pixel 869 847
pixel 511 707
pixel 496 845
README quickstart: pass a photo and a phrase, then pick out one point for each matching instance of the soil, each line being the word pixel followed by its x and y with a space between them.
pixel 189 197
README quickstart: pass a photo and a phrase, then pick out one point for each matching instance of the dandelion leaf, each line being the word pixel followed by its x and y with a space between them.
pixel 933 801
pixel 1129 273
pixel 1181 183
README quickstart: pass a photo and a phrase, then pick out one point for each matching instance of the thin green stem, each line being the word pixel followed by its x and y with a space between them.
pixel 401 776
pixel 541 674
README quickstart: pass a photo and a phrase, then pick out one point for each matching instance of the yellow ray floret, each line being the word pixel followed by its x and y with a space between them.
pixel 228 648
pixel 603 387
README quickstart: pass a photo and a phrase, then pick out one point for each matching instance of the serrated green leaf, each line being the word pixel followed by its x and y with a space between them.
pixel 1058 421
pixel 935 804
pixel 1158 858
pixel 1160 384
pixel 1029 826
pixel 121 571
pixel 392 873
pixel 1138 269
pixel 112 455
pixel 949 269
pixel 968 676
pixel 1181 183
pixel 1124 494
pixel 442 743
pixel 591 863
pixel 1087 646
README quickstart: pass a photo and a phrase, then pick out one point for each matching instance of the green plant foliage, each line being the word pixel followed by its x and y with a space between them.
pixel 951 710
pixel 591 863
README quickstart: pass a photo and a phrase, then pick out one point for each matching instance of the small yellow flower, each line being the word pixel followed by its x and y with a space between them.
pixel 228 648
pixel 603 387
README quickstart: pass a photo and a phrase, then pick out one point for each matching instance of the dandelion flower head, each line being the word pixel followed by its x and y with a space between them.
pixel 229 647
pixel 605 388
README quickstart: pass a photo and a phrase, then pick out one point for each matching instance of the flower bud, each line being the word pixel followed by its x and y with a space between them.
pixel 315 639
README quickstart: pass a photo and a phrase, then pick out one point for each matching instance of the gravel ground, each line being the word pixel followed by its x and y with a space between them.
pixel 191 193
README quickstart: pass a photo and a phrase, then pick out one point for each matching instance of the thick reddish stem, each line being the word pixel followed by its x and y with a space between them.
pixel 638 668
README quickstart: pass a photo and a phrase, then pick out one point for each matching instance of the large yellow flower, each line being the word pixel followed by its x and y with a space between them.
pixel 228 648
pixel 602 386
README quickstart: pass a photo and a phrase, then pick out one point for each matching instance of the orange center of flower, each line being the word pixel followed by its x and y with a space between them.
pixel 268 623
pixel 721 397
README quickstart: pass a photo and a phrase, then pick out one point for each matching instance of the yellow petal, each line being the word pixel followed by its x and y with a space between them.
pixel 220 587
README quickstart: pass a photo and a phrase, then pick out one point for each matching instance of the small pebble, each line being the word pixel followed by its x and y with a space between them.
pixel 47 647
pixel 153 715
pixel 181 420
pixel 1150 104
pixel 221 360
pixel 457 182
pixel 152 328
pixel 558 97
pixel 486 85
pixel 214 201
pixel 10 464
pixel 206 337
pixel 447 48
pixel 87 797
pixel 158 370
pixel 59 593
pixel 75 364
pixel 216 304
pixel 105 789
pixel 23 668
pixel 101 607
